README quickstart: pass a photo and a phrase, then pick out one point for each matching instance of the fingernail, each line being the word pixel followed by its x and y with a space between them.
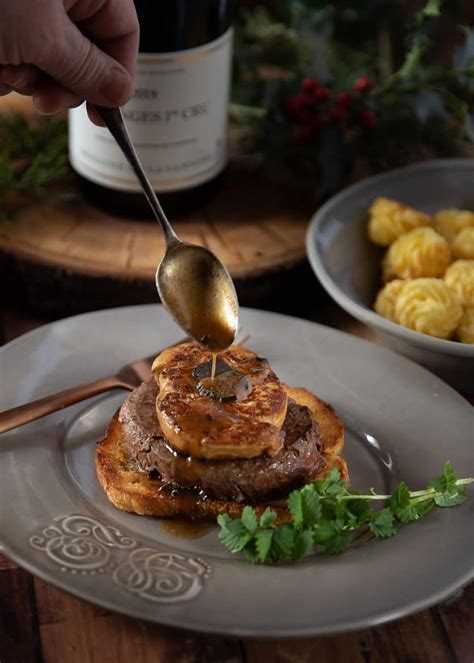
pixel 41 106
pixel 116 86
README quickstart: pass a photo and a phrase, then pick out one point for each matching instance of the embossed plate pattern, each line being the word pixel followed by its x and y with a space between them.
pixel 401 421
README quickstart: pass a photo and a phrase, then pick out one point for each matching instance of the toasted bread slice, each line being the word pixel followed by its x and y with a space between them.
pixel 200 426
pixel 131 490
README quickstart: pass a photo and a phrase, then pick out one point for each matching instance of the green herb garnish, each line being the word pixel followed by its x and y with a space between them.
pixel 326 514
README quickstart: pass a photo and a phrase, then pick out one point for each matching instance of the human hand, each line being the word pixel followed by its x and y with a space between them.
pixel 62 52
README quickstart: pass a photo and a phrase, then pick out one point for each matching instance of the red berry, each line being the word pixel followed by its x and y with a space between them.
pixel 363 84
pixel 322 95
pixel 367 119
pixel 316 128
pixel 305 117
pixel 289 106
pixel 294 105
pixel 338 114
pixel 309 85
pixel 302 134
pixel 345 99
pixel 303 101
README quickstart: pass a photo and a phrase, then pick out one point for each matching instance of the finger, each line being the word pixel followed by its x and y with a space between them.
pixel 93 117
pixel 81 67
pixel 21 78
pixel 113 27
pixel 50 97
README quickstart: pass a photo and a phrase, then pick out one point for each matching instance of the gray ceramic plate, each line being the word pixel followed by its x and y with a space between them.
pixel 402 422
pixel 348 265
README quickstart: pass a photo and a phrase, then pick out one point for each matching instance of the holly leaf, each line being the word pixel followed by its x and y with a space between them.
pixel 432 8
pixel 412 60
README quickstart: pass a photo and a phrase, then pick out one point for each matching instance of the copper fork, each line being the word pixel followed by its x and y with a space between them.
pixel 128 377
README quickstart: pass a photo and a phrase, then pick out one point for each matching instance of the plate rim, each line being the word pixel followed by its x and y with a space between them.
pixel 354 625
pixel 162 618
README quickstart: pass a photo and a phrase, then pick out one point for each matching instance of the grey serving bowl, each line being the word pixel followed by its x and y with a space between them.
pixel 348 265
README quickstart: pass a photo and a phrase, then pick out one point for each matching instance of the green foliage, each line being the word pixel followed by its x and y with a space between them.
pixel 421 102
pixel 423 83
pixel 325 514
pixel 273 43
pixel 31 156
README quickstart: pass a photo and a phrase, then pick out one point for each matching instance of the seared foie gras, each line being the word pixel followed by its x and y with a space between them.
pixel 200 425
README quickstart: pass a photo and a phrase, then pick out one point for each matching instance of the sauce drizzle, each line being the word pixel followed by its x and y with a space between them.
pixel 186 529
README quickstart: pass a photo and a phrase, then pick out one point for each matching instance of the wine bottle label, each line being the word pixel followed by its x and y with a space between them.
pixel 177 120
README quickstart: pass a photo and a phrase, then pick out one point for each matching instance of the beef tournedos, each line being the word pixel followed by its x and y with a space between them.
pixel 241 480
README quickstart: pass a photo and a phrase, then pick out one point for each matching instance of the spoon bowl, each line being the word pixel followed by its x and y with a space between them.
pixel 198 292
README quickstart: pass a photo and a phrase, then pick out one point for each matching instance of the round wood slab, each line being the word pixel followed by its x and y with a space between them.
pixel 255 225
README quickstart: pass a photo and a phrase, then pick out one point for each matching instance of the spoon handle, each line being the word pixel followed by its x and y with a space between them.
pixel 113 120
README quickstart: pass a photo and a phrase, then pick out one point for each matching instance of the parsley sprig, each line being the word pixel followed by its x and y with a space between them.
pixel 325 515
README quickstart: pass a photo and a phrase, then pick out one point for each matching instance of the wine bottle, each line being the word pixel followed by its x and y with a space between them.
pixel 177 118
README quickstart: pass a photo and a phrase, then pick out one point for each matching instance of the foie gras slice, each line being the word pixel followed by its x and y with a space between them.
pixel 237 415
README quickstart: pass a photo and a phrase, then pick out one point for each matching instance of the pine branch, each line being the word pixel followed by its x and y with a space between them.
pixel 32 156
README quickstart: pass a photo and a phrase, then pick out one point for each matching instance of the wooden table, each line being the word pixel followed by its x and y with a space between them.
pixel 41 623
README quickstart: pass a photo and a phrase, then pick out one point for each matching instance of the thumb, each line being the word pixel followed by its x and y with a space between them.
pixel 84 69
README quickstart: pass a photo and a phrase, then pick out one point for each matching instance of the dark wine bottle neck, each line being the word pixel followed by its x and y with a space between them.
pixel 177 25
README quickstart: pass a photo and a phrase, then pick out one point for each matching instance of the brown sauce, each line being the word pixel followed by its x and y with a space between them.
pixel 207 418
pixel 213 367
pixel 216 334
pixel 184 528
pixel 186 469
pixel 218 380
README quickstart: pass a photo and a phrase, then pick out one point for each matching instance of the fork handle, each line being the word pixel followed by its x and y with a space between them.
pixel 23 414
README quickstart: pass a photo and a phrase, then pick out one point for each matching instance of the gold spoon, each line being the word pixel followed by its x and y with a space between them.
pixel 193 284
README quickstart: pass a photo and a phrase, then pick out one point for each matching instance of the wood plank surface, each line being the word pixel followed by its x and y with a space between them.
pixel 415 638
pixel 73 235
pixel 19 629
pixel 457 619
pixel 84 633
